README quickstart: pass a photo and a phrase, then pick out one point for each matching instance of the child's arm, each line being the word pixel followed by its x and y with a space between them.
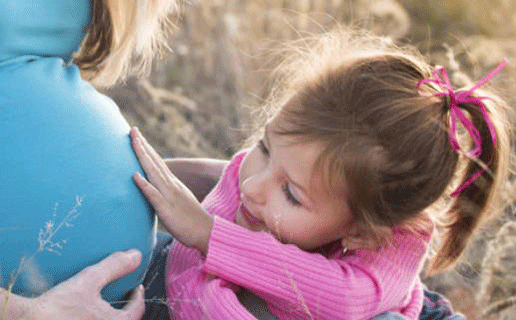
pixel 175 205
pixel 308 285
pixel 198 174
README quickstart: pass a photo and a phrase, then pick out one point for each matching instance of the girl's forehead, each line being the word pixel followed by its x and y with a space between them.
pixel 280 122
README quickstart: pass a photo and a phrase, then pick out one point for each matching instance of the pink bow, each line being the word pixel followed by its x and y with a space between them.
pixel 440 78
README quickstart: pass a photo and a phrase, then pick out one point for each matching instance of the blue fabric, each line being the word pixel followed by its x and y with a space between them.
pixel 49 28
pixel 60 138
pixel 437 307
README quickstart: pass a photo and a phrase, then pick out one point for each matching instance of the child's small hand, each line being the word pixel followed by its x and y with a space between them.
pixel 175 205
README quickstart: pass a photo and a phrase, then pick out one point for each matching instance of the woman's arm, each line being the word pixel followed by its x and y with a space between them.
pixel 198 174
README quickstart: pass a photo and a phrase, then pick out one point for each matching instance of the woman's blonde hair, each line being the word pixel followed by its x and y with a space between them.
pixel 122 38
pixel 387 150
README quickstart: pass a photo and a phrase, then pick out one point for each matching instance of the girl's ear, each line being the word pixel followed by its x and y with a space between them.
pixel 362 237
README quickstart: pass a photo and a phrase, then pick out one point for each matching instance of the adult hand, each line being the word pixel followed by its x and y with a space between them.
pixel 175 204
pixel 79 297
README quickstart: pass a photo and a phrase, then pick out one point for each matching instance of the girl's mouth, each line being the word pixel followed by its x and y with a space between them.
pixel 250 219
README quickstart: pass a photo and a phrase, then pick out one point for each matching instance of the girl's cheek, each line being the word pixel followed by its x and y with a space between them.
pixel 247 162
pixel 243 170
pixel 277 218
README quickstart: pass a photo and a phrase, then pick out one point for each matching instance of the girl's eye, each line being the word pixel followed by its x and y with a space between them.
pixel 263 148
pixel 290 197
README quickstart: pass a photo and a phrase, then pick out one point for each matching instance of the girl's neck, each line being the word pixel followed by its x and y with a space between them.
pixel 421 223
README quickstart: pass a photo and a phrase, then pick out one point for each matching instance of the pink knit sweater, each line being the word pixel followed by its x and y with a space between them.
pixel 324 284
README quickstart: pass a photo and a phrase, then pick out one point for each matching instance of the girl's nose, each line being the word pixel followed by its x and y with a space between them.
pixel 254 189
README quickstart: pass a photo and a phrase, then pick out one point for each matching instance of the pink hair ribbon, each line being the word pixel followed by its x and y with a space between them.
pixel 440 78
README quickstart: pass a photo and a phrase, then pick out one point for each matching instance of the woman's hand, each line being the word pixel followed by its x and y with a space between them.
pixel 79 297
pixel 175 205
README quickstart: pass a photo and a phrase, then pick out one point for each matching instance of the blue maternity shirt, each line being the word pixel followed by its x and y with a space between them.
pixel 67 199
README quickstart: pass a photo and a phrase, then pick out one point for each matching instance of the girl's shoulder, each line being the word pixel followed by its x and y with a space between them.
pixel 224 198
pixel 231 170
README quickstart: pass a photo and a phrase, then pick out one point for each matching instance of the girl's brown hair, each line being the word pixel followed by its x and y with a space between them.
pixel 388 143
pixel 122 37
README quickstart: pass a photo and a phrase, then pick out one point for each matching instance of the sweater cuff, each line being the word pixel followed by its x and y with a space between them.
pixel 236 254
pixel 224 237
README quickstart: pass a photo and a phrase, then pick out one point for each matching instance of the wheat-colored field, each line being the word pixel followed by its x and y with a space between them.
pixel 199 99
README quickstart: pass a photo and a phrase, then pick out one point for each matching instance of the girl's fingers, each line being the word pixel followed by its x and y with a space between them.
pixel 154 166
pixel 152 194
pixel 140 140
pixel 148 163
pixel 150 150
pixel 164 208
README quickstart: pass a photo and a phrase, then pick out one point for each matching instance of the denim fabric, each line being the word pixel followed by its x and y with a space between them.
pixel 435 306
pixel 389 316
pixel 255 305
pixel 258 308
pixel 154 282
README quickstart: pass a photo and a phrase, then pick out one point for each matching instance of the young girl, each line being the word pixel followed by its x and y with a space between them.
pixel 325 217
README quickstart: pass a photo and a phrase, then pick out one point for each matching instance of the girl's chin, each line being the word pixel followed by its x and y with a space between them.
pixel 239 219
pixel 249 224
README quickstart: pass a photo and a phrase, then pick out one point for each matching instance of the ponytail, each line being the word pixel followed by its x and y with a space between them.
pixel 486 168
pixel 478 199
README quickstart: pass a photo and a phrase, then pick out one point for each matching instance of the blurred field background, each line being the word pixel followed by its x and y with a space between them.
pixel 198 100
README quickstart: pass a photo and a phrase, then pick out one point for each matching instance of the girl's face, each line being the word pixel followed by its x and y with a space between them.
pixel 276 196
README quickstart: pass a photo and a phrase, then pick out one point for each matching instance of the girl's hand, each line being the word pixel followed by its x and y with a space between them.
pixel 175 205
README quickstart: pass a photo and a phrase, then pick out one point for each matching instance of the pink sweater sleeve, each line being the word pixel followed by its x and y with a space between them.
pixel 302 285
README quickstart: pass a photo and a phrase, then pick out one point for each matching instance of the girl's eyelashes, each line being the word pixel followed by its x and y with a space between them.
pixel 263 148
pixel 285 187
pixel 290 197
